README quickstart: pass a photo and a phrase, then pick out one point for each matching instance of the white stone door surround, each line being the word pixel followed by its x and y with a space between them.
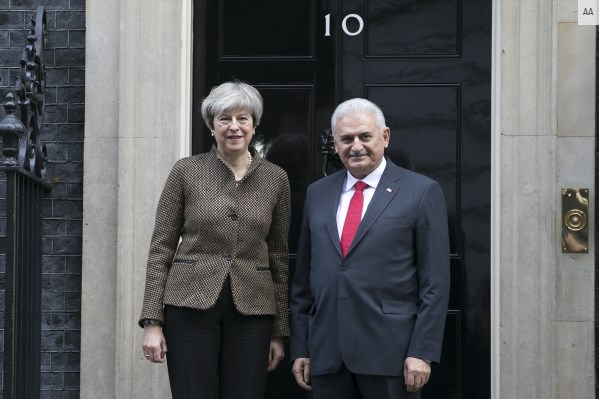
pixel 138 108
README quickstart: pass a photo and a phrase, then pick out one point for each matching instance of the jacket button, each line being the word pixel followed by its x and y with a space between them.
pixel 344 267
pixel 228 257
pixel 234 216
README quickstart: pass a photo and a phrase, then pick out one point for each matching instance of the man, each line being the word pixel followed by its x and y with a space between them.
pixel 371 286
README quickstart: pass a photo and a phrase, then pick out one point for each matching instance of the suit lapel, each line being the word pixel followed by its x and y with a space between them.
pixel 385 191
pixel 331 204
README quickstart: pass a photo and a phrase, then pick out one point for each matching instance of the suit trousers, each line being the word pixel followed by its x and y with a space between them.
pixel 346 385
pixel 218 352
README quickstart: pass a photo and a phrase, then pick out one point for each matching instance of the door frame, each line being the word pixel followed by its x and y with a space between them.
pixel 495 272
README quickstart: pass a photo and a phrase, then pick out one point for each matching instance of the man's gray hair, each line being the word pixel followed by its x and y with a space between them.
pixel 230 96
pixel 355 105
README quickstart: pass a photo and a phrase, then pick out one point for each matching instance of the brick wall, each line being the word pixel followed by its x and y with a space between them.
pixel 63 213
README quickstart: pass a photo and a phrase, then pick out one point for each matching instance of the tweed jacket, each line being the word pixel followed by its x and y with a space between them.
pixel 209 226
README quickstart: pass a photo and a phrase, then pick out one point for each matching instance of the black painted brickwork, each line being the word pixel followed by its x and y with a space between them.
pixel 63 213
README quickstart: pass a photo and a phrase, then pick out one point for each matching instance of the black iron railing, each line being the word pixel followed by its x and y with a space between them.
pixel 24 164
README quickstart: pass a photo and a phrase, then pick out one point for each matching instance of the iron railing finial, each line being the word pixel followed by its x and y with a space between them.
pixel 28 100
pixel 11 130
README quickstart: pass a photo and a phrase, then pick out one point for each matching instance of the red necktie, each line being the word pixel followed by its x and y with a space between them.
pixel 353 217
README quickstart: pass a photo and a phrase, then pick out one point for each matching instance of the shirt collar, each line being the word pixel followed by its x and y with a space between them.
pixel 372 179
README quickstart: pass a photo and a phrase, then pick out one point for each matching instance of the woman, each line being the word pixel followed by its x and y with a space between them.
pixel 215 300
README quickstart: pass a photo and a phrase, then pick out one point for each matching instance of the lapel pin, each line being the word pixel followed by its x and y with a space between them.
pixel 389 190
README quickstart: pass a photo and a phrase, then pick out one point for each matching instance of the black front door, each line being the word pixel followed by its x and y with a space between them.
pixel 427 64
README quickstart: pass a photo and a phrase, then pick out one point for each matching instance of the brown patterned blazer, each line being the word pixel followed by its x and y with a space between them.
pixel 226 227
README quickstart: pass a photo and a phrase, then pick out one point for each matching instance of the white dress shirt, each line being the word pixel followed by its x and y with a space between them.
pixel 347 193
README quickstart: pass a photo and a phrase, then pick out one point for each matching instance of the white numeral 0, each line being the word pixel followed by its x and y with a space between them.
pixel 327 24
pixel 344 24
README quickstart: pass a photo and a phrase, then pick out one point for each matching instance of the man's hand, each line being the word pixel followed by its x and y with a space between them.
pixel 301 372
pixel 154 344
pixel 275 354
pixel 416 373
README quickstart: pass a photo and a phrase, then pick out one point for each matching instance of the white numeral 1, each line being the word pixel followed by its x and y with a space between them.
pixel 327 25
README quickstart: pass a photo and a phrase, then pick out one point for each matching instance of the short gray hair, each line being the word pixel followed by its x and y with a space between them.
pixel 229 96
pixel 358 105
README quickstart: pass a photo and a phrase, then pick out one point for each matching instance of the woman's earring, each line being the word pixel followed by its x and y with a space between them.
pixel 212 134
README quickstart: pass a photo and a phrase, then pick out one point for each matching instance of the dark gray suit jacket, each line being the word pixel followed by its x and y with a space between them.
pixel 387 299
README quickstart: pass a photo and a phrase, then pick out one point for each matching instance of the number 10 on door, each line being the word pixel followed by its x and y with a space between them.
pixel 327 24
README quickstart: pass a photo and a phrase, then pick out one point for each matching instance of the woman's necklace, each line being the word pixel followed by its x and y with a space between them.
pixel 238 172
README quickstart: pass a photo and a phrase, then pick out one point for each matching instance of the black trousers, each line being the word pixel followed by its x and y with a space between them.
pixel 346 385
pixel 216 353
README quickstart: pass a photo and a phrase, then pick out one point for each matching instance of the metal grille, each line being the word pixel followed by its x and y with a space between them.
pixel 23 276
pixel 25 166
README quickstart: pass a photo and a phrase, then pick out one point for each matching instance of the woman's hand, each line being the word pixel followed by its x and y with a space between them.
pixel 275 354
pixel 154 345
